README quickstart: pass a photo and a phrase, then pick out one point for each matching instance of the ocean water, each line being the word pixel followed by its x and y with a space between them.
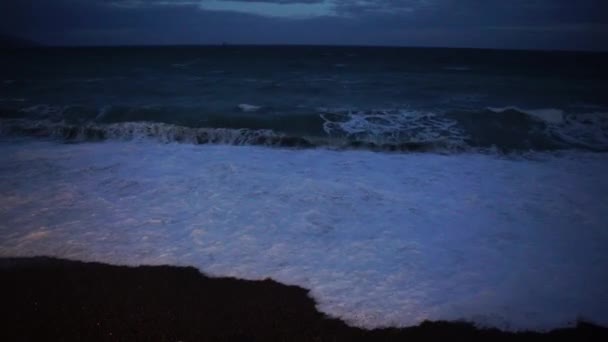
pixel 364 98
pixel 398 185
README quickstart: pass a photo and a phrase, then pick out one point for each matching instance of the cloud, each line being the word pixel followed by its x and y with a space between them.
pixel 294 9
pixel 363 7
pixel 203 3
pixel 299 9
pixel 554 28
pixel 477 23
pixel 148 3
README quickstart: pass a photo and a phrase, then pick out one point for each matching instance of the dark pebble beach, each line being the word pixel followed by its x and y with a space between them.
pixel 47 299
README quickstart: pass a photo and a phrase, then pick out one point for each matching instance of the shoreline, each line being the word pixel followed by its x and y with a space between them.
pixel 56 299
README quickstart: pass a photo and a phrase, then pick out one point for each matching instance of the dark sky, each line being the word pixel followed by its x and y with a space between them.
pixel 540 24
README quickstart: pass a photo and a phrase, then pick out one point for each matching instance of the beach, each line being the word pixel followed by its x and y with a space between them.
pixel 48 299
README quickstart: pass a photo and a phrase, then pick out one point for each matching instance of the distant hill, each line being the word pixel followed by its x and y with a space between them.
pixel 8 41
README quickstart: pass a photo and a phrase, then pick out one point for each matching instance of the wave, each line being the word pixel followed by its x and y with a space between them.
pixel 168 133
pixel 581 130
pixel 550 115
pixel 392 126
pixel 506 129
pixel 248 107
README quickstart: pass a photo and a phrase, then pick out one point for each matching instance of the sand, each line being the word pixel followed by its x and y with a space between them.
pixel 47 299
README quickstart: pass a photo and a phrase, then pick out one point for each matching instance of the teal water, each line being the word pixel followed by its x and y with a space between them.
pixel 353 95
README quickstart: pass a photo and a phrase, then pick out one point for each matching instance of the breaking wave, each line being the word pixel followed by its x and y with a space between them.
pixel 506 129
pixel 168 133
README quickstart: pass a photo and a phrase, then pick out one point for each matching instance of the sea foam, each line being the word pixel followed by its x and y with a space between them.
pixel 380 239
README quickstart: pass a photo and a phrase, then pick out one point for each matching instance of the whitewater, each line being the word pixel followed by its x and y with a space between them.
pixel 380 239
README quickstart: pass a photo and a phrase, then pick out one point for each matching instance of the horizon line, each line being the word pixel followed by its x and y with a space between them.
pixel 227 44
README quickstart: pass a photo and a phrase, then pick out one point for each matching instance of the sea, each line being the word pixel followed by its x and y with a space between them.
pixel 398 185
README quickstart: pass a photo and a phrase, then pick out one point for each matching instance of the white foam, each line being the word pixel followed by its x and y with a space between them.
pixel 585 129
pixel 549 115
pixel 248 107
pixel 380 239
pixel 382 126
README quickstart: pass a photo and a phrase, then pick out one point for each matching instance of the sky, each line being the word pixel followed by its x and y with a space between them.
pixel 519 24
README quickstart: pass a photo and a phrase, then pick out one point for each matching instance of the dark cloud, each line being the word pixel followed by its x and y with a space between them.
pixel 562 24
pixel 383 6
pixel 284 1
pixel 476 12
pixel 144 3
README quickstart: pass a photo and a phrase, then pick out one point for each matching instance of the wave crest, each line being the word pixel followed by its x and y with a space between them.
pixel 168 133
pixel 508 129
pixel 393 126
